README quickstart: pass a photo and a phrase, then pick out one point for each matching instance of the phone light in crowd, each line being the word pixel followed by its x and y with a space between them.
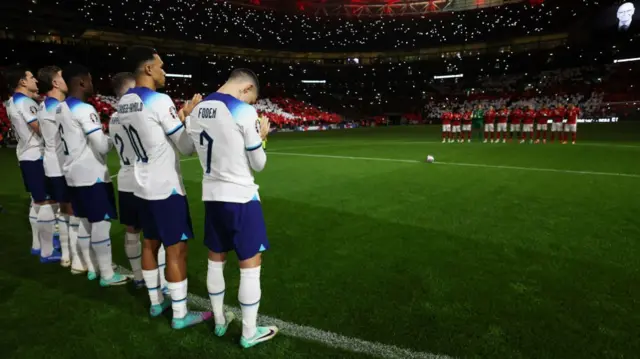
pixel 181 76
pixel 314 81
pixel 438 77
pixel 626 60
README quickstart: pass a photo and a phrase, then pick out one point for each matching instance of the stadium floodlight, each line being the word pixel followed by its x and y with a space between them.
pixel 626 60
pixel 314 81
pixel 181 76
pixel 438 77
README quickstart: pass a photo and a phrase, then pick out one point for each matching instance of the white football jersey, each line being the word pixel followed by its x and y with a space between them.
pixel 148 119
pixel 223 129
pixel 118 134
pixel 83 166
pixel 53 152
pixel 22 111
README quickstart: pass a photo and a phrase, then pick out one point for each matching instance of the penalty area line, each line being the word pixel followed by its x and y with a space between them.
pixel 329 339
pixel 479 165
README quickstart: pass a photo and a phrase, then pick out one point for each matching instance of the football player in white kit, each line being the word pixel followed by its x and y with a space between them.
pixel 155 131
pixel 228 138
pixel 22 111
pixel 85 147
pixel 53 85
pixel 127 201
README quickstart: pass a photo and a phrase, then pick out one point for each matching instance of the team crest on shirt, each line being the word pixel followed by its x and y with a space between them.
pixel 173 113
pixel 94 118
pixel 33 110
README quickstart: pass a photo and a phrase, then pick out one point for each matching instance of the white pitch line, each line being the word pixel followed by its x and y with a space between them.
pixel 462 164
pixel 329 339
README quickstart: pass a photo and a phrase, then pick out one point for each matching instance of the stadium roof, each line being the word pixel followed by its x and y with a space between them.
pixel 371 8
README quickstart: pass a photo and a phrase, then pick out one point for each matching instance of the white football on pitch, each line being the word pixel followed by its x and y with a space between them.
pixel 430 159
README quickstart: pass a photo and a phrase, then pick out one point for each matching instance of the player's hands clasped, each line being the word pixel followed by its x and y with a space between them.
pixel 264 128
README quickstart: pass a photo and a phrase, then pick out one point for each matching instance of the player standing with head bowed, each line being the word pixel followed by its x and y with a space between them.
pixel 503 117
pixel 22 110
pixel 228 138
pixel 542 118
pixel 154 137
pixel 527 124
pixel 516 118
pixel 489 120
pixel 572 124
pixel 447 116
pixel 557 126
pixel 53 85
pixel 466 124
pixel 85 147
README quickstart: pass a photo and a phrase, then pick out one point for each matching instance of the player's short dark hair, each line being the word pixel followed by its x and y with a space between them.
pixel 73 72
pixel 245 74
pixel 46 76
pixel 119 79
pixel 13 75
pixel 136 56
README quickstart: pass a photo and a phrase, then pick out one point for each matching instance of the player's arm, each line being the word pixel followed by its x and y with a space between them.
pixel 254 132
pixel 174 127
pixel 28 109
pixel 90 124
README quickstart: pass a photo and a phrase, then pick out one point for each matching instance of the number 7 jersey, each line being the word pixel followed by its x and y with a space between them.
pixel 140 133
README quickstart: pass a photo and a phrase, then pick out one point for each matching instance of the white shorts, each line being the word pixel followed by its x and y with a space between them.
pixel 515 127
pixel 446 128
pixel 571 128
pixel 502 127
pixel 455 128
pixel 541 127
pixel 488 127
pixel 556 127
pixel 527 127
pixel 466 128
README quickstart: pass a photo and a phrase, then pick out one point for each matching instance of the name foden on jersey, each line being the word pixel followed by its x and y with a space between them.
pixel 207 112
pixel 130 107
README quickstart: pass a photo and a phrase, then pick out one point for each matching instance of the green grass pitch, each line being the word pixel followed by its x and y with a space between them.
pixel 494 251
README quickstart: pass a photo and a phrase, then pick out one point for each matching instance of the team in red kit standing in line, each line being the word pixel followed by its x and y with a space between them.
pixel 516 123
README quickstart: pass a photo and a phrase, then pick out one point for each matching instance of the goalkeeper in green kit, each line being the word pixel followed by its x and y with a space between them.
pixel 477 118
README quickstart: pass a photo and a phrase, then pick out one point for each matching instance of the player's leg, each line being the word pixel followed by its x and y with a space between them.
pixel 444 133
pixel 151 274
pixel 486 133
pixel 60 193
pixel 250 241
pixel 218 237
pixel 170 222
pixel 33 221
pixel 129 216
pixel 45 208
pixel 574 134
pixel 99 205
pixel 544 133
pixel 162 266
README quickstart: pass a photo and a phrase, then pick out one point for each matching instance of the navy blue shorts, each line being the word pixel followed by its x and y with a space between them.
pixel 96 202
pixel 35 180
pixel 167 220
pixel 235 227
pixel 57 187
pixel 129 209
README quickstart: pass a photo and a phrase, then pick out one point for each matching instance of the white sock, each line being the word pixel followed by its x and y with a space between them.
pixel 46 223
pixel 178 292
pixel 101 245
pixel 63 233
pixel 74 247
pixel 152 280
pixel 162 266
pixel 133 249
pixel 84 244
pixel 249 297
pixel 216 287
pixel 33 219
